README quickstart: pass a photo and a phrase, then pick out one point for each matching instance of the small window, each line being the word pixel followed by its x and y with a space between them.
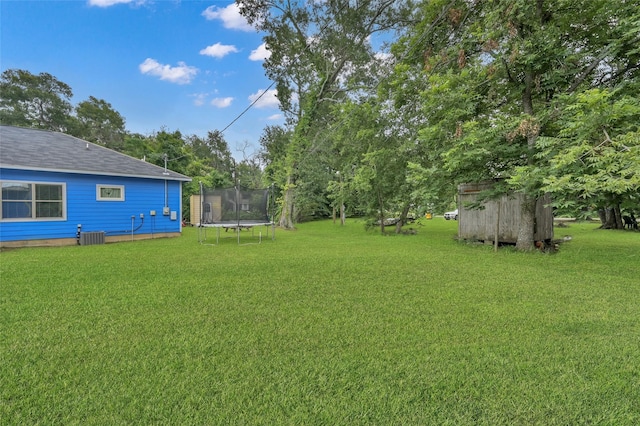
pixel 110 193
pixel 33 201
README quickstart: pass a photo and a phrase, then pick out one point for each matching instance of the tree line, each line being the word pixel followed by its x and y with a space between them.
pixel 538 96
pixel 43 102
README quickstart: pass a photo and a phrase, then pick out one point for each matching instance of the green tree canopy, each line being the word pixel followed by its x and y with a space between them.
pixel 40 101
pixel 98 122
pixel 320 53
pixel 493 72
pixel 594 157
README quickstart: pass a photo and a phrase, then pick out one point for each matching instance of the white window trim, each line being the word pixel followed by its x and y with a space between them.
pixel 100 198
pixel 33 210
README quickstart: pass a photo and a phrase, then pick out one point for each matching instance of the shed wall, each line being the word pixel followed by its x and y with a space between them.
pixel 502 214
pixel 195 206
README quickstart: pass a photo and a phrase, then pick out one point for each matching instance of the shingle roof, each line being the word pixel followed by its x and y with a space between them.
pixel 32 149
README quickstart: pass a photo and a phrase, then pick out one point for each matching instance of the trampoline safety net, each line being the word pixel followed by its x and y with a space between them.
pixel 230 206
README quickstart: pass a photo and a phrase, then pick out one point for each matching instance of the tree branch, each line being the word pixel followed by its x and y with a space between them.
pixel 594 64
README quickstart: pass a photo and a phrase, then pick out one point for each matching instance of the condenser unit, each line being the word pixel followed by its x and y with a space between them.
pixel 91 238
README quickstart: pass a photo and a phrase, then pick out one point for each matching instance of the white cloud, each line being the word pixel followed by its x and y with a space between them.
pixel 107 3
pixel 182 74
pixel 230 17
pixel 274 117
pixel 199 98
pixel 261 53
pixel 221 102
pixel 264 99
pixel 219 50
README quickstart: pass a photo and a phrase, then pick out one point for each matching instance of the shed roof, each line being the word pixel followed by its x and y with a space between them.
pixel 43 150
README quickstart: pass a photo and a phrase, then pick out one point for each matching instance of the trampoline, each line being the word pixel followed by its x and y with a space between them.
pixel 235 209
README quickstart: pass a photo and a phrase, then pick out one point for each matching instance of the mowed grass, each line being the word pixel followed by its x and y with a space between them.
pixel 325 325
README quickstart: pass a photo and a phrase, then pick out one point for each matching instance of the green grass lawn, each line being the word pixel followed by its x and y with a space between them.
pixel 325 325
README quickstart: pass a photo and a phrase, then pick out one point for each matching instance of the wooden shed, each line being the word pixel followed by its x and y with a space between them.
pixel 499 216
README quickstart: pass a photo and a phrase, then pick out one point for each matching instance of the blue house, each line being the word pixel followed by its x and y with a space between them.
pixel 59 190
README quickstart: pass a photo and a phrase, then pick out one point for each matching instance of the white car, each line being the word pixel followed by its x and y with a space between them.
pixel 451 215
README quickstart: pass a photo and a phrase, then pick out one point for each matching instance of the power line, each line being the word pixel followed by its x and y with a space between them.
pixel 341 123
pixel 249 107
pixel 307 46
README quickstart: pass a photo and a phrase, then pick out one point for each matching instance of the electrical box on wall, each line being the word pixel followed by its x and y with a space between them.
pixel 152 213
pixel 174 215
pixel 165 211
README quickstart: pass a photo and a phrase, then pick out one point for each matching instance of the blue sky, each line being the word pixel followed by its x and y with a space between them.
pixel 187 65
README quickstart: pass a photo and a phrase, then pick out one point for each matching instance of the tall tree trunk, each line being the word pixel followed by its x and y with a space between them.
pixel 611 218
pixel 602 214
pixel 381 210
pixel 618 216
pixel 403 217
pixel 526 230
pixel 286 215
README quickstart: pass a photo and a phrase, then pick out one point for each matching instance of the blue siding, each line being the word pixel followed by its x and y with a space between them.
pixel 82 207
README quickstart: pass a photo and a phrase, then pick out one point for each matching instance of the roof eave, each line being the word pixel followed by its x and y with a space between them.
pixel 169 176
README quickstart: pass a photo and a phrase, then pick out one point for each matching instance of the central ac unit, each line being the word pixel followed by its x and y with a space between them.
pixel 91 238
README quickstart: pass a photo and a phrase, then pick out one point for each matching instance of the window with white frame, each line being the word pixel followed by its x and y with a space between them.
pixel 33 200
pixel 110 192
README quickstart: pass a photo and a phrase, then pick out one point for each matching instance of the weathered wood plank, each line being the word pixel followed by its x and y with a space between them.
pixel 482 224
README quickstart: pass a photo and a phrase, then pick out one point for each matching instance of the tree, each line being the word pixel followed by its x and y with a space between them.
pixel 248 174
pixel 319 53
pixel 98 122
pixel 374 146
pixel 215 150
pixel 594 160
pixel 40 101
pixel 272 156
pixel 498 66
pixel 168 149
pixel 137 145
